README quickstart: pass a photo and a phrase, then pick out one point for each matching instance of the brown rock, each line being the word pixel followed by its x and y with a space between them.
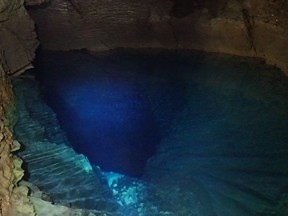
pixel 256 28
pixel 17 47
pixel 18 39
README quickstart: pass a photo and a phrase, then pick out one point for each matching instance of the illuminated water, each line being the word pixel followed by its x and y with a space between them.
pixel 215 126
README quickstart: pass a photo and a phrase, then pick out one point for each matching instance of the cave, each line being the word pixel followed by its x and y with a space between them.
pixel 144 108
pixel 212 125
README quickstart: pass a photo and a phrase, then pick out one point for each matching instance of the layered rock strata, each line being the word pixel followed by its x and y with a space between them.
pixel 64 176
pixel 256 28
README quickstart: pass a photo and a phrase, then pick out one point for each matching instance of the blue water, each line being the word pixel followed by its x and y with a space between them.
pixel 211 126
pixel 107 110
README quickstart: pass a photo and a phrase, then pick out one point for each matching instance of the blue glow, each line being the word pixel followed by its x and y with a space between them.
pixel 220 128
pixel 113 114
pixel 127 194
pixel 106 102
pixel 110 121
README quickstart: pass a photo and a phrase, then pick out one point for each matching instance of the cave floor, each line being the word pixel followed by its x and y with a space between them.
pixel 204 134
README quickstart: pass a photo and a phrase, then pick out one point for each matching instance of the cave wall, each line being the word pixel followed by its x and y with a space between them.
pixel 256 28
pixel 7 176
pixel 13 199
pixel 17 47
pixel 248 28
pixel 18 38
pixel 18 43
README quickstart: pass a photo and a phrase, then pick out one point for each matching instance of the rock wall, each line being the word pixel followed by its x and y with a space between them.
pixel 17 47
pixel 13 199
pixel 18 39
pixel 18 43
pixel 256 28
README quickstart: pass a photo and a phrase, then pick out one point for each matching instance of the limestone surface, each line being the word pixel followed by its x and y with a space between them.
pixel 18 40
pixel 12 199
pixel 246 28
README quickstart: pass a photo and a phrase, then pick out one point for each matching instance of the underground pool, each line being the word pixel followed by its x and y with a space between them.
pixel 163 132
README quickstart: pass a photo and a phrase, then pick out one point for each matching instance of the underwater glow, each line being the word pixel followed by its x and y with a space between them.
pixel 219 125
pixel 125 194
pixel 85 164
pixel 110 122
pixel 113 114
pixel 112 177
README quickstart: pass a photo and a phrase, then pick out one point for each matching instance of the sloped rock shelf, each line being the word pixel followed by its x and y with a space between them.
pixel 206 135
pixel 51 163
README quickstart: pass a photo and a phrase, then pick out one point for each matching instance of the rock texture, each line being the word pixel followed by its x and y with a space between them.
pixel 65 177
pixel 17 47
pixel 44 208
pixel 18 40
pixel 222 119
pixel 228 144
pixel 12 199
pixel 246 28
